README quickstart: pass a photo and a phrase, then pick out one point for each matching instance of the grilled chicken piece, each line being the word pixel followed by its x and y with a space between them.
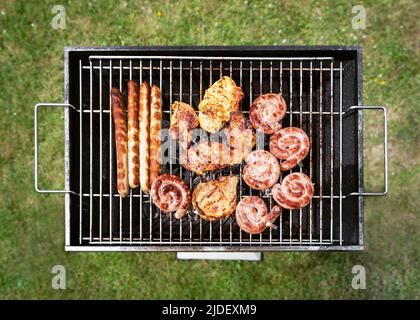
pixel 216 199
pixel 222 98
pixel 183 121
pixel 209 155
pixel 183 118
pixel 239 134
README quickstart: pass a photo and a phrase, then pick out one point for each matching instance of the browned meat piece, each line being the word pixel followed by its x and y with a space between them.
pixel 239 133
pixel 209 155
pixel 222 98
pixel 183 120
pixel 216 199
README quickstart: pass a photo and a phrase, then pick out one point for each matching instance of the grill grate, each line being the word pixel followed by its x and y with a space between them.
pixel 312 88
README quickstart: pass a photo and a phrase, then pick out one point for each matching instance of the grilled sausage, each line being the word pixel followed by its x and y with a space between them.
pixel 290 144
pixel 295 191
pixel 155 132
pixel 133 134
pixel 171 194
pixel 262 170
pixel 266 112
pixel 120 141
pixel 252 215
pixel 144 122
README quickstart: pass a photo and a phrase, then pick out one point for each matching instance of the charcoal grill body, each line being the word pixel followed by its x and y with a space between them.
pixel 320 84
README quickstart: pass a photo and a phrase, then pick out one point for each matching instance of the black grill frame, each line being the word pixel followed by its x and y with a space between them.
pixel 352 151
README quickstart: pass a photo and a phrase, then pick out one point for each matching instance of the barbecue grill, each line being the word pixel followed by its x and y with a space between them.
pixel 323 90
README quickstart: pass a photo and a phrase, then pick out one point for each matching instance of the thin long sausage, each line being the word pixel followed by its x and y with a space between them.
pixel 155 132
pixel 120 141
pixel 133 134
pixel 144 122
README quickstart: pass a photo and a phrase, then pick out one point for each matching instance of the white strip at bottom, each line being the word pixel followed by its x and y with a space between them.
pixel 248 256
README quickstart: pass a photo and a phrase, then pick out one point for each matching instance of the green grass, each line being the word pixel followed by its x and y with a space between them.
pixel 31 225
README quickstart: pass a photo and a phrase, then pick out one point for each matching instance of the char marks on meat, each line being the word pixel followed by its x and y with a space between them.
pixel 216 199
pixel 209 155
pixel 222 98
pixel 239 133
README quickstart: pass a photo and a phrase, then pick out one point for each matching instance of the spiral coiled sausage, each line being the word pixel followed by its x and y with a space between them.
pixel 266 112
pixel 252 215
pixel 295 191
pixel 290 144
pixel 262 170
pixel 171 194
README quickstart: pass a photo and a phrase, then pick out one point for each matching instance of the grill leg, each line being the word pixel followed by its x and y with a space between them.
pixel 247 256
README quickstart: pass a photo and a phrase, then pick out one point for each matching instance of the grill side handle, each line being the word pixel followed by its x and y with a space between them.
pixel 37 106
pixel 382 193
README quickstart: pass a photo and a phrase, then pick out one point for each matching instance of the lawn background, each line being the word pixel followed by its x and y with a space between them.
pixel 32 225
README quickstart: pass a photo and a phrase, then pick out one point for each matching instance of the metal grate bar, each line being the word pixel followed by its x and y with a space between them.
pixel 140 190
pixel 150 202
pixel 341 153
pixel 311 208
pixel 90 151
pixel 170 145
pixel 120 204
pixel 100 150
pixel 271 199
pixel 206 69
pixel 250 103
pixel 331 149
pixel 131 190
pixel 114 57
pixel 160 91
pixel 315 113
pixel 291 124
pixel 110 155
pixel 320 155
pixel 300 125
pixel 80 152
pixel 191 186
